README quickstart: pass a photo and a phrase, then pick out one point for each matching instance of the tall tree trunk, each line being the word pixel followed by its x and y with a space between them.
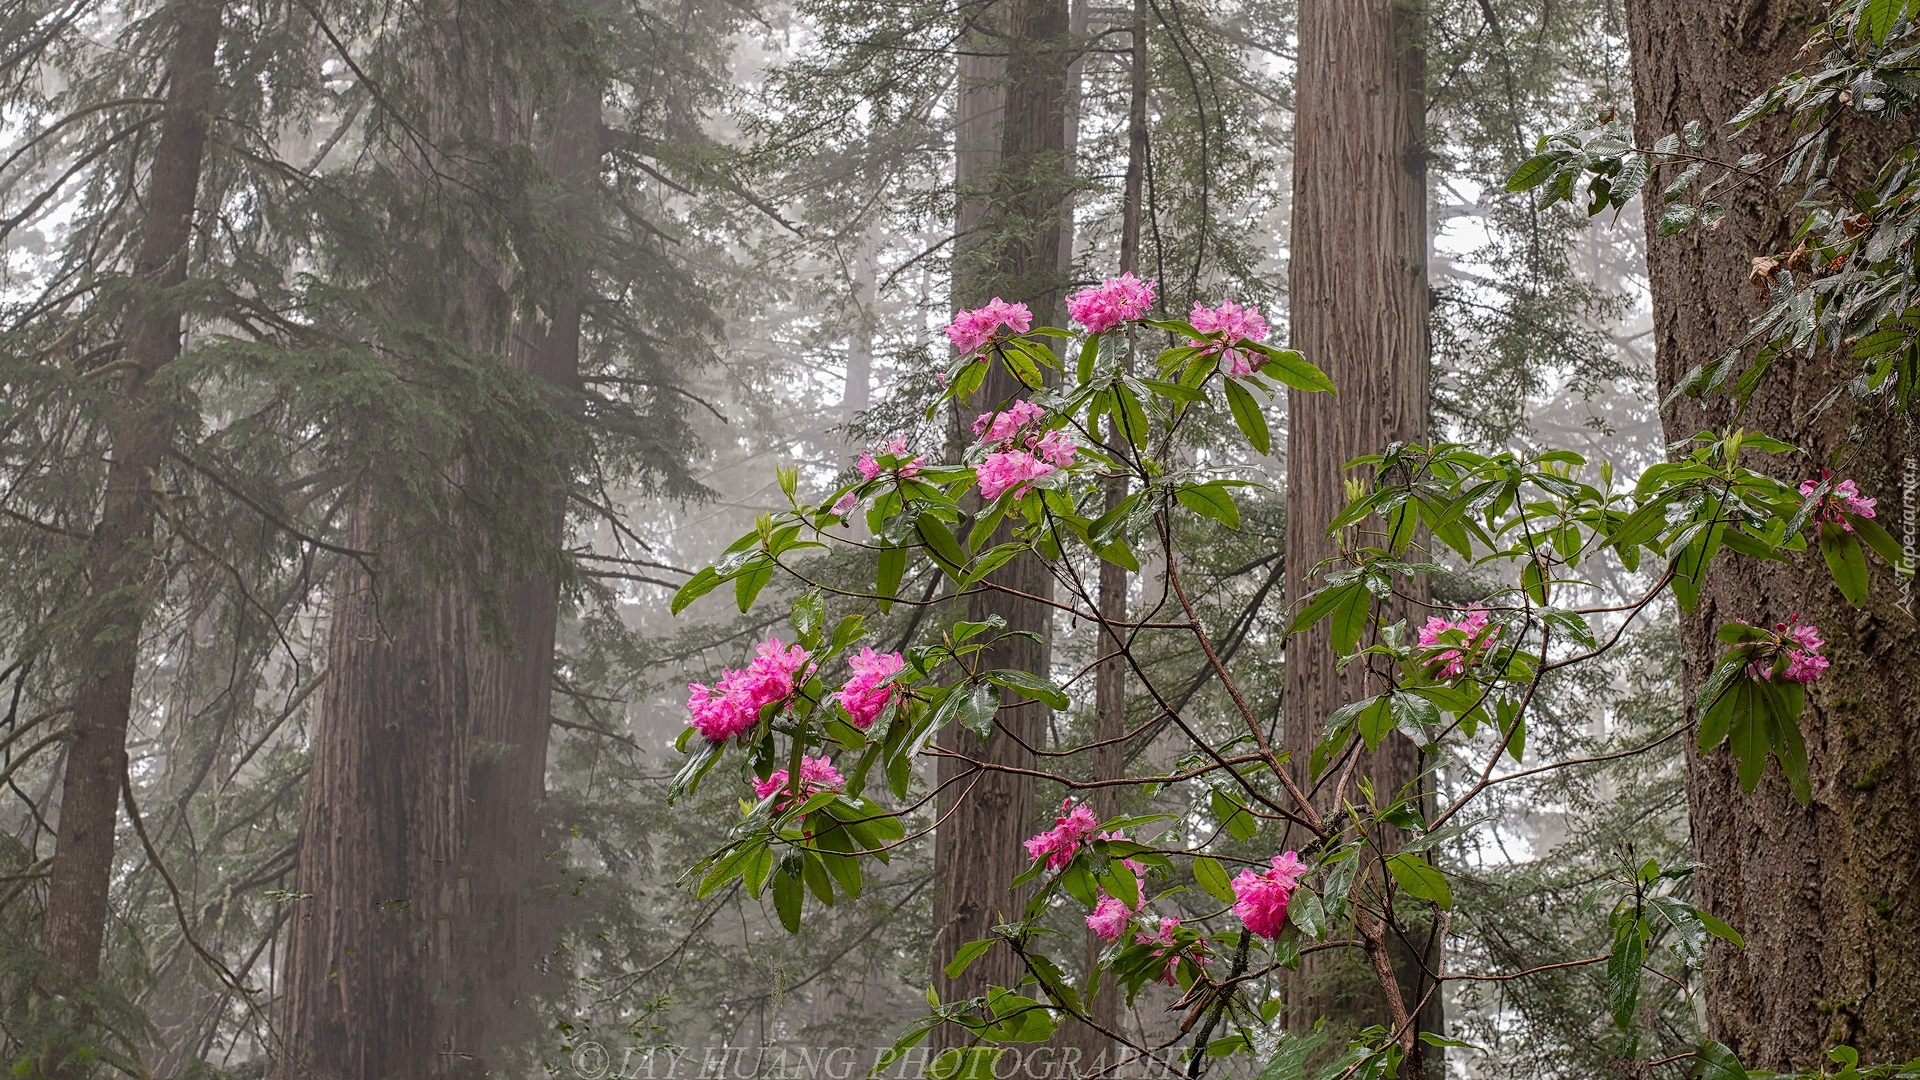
pixel 120 553
pixel 420 841
pixel 1012 253
pixel 1358 308
pixel 1110 673
pixel 1825 895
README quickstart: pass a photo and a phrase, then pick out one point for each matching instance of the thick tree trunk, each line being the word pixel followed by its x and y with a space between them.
pixel 1014 253
pixel 120 552
pixel 1359 307
pixel 421 838
pixel 1825 895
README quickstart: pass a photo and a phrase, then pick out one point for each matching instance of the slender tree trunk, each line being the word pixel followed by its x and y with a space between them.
pixel 1014 253
pixel 421 837
pixel 1110 674
pixel 120 552
pixel 1825 895
pixel 1359 307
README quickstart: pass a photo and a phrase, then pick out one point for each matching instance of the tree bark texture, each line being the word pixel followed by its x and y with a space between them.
pixel 1826 895
pixel 1358 308
pixel 421 837
pixel 1013 253
pixel 120 554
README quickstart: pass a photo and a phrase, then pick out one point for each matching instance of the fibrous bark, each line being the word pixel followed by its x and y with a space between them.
pixel 421 838
pixel 1826 895
pixel 120 552
pixel 1358 309
pixel 1012 252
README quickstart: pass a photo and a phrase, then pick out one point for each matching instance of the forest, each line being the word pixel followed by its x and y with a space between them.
pixel 965 539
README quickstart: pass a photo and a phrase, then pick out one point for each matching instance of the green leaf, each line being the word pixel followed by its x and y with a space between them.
pixel 751 580
pixel 1845 558
pixel 809 611
pixel 1534 581
pixel 893 566
pixel 1877 18
pixel 1249 417
pixel 1623 970
pixel 1210 500
pixel 1350 619
pixel 968 953
pixel 1420 878
pixel 1721 930
pixel 1234 815
pixel 978 708
pixel 1031 685
pixel 1715 1062
pixel 1882 543
pixel 1292 370
pixel 1535 171
pixel 696 587
pixel 940 542
pixel 1213 878
pixel 789 893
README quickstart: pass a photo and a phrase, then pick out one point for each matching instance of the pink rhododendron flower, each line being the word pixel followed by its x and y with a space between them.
pixel 816 774
pixel 1235 323
pixel 1843 498
pixel 971 330
pixel 1058 448
pixel 1261 899
pixel 1801 645
pixel 844 505
pixel 1011 469
pixel 998 427
pixel 1112 302
pixel 863 697
pixel 1057 845
pixel 870 466
pixel 733 706
pixel 1454 661
pixel 1109 919
pixel 1167 948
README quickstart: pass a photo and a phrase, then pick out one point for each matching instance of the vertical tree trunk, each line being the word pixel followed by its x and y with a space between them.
pixel 420 841
pixel 119 554
pixel 1358 308
pixel 1012 253
pixel 1824 894
pixel 1110 674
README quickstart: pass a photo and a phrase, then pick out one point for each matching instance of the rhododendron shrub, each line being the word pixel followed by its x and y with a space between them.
pixel 826 731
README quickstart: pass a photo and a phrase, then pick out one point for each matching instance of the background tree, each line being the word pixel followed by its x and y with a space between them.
pixel 1358 304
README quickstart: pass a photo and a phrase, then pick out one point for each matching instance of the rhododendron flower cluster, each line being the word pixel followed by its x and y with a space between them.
pixel 733 706
pixel 1022 454
pixel 1164 939
pixel 870 467
pixel 863 697
pixel 1261 899
pixel 1109 919
pixel 971 330
pixel 816 774
pixel 1843 498
pixel 1236 323
pixel 1477 630
pixel 1112 302
pixel 1802 645
pixel 1057 845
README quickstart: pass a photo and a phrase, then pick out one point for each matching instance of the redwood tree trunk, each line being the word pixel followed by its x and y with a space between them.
pixel 1358 308
pixel 1012 253
pixel 1826 895
pixel 120 552
pixel 421 838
